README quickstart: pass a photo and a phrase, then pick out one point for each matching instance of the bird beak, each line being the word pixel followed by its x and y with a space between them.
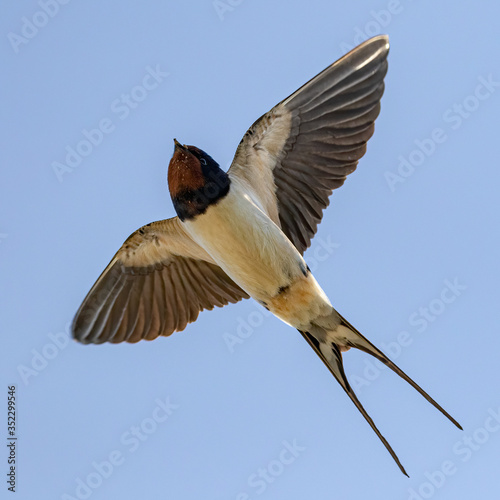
pixel 178 144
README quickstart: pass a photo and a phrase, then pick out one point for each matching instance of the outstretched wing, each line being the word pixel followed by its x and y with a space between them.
pixel 156 284
pixel 297 153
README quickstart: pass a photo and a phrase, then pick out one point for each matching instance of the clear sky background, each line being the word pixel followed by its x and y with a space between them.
pixel 407 252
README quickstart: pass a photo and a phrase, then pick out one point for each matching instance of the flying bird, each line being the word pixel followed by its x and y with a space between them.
pixel 242 233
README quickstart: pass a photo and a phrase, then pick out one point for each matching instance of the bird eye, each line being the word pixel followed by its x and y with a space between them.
pixel 203 161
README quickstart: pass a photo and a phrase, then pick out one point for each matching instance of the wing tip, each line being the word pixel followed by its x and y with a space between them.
pixel 381 41
pixel 375 48
pixel 79 332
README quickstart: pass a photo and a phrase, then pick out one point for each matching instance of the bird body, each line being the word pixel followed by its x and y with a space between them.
pixel 243 233
pixel 262 260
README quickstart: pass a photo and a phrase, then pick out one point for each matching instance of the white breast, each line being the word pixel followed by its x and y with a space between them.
pixel 247 244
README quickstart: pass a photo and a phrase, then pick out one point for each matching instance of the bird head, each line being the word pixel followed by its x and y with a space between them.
pixel 195 181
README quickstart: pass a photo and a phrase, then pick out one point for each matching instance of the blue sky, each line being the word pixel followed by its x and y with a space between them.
pixel 407 252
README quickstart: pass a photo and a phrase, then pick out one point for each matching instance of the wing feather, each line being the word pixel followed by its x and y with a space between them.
pixel 157 283
pixel 295 155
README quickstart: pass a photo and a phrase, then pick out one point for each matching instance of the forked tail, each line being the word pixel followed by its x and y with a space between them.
pixel 329 352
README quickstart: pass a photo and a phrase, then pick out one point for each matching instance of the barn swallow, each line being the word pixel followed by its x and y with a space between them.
pixel 242 233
